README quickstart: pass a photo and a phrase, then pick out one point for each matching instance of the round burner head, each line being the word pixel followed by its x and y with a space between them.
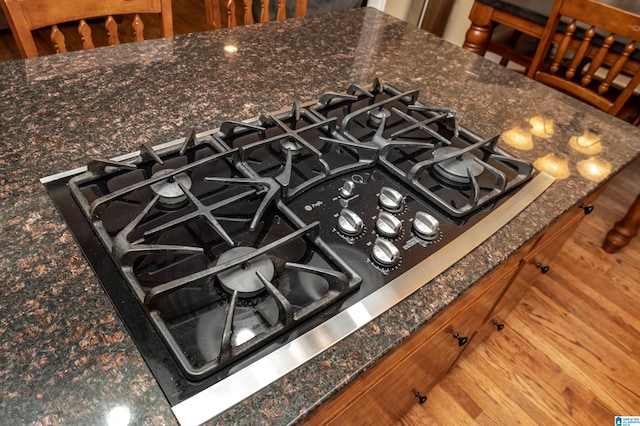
pixel 456 169
pixel 377 115
pixel 243 278
pixel 168 189
pixel 291 145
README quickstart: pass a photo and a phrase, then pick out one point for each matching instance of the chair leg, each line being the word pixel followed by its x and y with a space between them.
pixel 622 232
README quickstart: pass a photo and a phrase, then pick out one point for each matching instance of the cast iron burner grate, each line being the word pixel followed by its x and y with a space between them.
pixel 425 147
pixel 219 263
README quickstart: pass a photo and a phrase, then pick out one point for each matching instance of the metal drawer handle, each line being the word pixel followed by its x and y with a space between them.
pixel 543 269
pixel 587 209
pixel 421 398
pixel 461 340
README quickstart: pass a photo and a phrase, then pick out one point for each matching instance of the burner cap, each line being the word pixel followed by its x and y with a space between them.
pixel 291 145
pixel 169 190
pixel 376 116
pixel 243 277
pixel 455 169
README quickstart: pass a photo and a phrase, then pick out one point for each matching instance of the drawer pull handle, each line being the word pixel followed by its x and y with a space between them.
pixel 587 209
pixel 543 269
pixel 498 325
pixel 461 340
pixel 421 398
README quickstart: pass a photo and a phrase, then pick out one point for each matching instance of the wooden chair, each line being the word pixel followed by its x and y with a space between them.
pixel 25 16
pixel 513 46
pixel 240 12
pixel 590 34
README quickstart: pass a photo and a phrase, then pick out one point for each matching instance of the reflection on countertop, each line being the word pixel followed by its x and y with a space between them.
pixel 588 142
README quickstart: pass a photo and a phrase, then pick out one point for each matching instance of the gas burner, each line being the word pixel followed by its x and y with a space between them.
pixel 169 189
pixel 244 278
pixel 459 168
pixel 376 116
pixel 290 145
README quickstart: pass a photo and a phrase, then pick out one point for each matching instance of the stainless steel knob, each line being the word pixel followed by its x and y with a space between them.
pixel 350 223
pixel 347 189
pixel 385 253
pixel 426 226
pixel 390 199
pixel 388 225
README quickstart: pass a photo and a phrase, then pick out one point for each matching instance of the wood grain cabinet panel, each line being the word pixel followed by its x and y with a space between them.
pixel 536 261
pixel 387 391
pixel 432 358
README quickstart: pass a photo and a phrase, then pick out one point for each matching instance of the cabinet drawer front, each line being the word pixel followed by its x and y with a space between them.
pixel 388 392
pixel 537 261
pixel 561 229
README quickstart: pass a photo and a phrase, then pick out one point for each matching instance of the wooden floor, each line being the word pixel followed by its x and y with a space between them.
pixel 570 352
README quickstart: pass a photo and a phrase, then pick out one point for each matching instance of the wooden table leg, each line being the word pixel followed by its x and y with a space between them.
pixel 479 33
pixel 622 232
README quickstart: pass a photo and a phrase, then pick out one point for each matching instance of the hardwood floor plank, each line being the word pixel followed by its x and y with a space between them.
pixel 571 333
pixel 531 377
pixel 491 392
pixel 616 320
pixel 586 263
pixel 458 392
pixel 608 377
pixel 536 394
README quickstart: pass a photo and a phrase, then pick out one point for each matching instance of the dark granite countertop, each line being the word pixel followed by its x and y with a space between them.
pixel 66 357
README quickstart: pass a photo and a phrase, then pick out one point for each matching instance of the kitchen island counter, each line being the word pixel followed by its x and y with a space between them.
pixel 66 357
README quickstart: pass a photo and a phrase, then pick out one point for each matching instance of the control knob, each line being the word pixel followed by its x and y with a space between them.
pixel 426 226
pixel 349 223
pixel 388 225
pixel 390 199
pixel 384 253
pixel 347 189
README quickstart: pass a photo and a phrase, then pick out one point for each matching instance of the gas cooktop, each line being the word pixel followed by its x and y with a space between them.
pixel 237 254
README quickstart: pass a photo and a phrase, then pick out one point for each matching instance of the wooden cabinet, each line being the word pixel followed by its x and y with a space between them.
pixel 535 261
pixel 384 393
pixel 387 391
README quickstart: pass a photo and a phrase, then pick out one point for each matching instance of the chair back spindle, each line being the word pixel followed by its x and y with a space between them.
pixel 595 56
pixel 245 16
pixel 26 16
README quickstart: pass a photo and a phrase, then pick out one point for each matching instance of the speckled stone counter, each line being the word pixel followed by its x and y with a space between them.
pixel 66 357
